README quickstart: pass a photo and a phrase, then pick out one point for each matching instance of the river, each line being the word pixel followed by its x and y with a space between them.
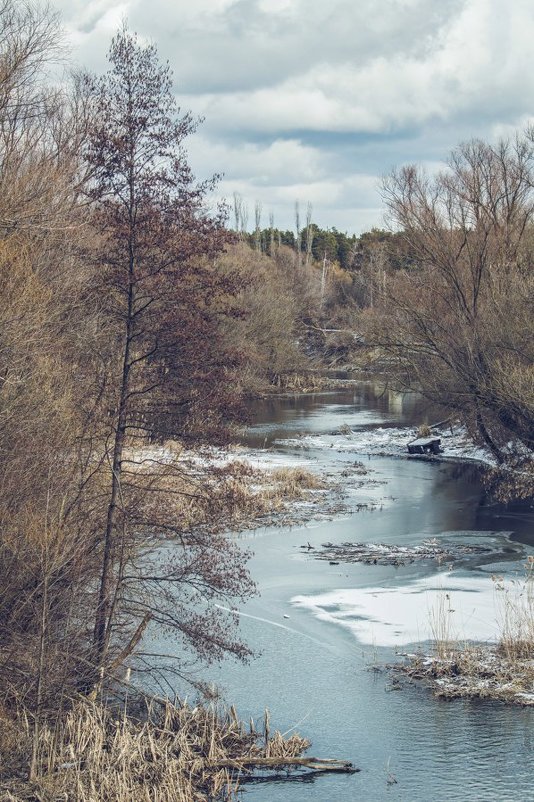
pixel 321 629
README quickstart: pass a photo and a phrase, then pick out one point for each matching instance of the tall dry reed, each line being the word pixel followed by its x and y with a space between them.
pixel 169 753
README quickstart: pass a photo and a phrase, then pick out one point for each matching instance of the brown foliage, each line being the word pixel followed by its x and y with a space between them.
pixel 459 323
pixel 41 285
pixel 64 405
pixel 278 298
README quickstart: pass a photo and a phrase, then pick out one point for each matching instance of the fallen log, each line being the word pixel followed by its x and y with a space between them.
pixel 314 763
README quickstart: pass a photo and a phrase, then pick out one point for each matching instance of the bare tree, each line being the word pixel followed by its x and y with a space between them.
pixel 238 213
pixel 298 238
pixel 375 275
pixel 309 233
pixel 324 276
pixel 257 225
pixel 155 260
pixel 237 210
pixel 271 234
pixel 48 324
pixel 244 219
pixel 459 322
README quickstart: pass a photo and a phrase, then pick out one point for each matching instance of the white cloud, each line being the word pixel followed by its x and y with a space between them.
pixel 308 96
pixel 279 173
pixel 471 56
pixel 281 161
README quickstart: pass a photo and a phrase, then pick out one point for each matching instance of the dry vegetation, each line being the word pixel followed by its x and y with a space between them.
pixel 295 481
pixel 122 321
pixel 169 752
pixel 129 313
pixel 476 673
pixel 109 337
pixel 424 430
pixel 259 497
pixel 504 672
pixel 456 320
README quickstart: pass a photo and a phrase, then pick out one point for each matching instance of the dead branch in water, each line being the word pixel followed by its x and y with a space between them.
pixel 390 554
pixel 313 763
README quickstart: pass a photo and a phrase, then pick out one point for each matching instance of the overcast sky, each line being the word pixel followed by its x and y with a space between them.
pixel 315 100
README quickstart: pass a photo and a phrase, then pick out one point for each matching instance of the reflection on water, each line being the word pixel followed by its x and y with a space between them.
pixel 367 404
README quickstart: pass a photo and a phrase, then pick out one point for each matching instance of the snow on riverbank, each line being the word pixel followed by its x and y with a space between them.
pixel 173 452
pixel 260 487
pixel 389 441
pixel 474 672
pixel 367 439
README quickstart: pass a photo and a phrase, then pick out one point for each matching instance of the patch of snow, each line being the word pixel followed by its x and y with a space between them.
pixel 395 616
pixel 260 459
pixel 527 697
pixel 390 441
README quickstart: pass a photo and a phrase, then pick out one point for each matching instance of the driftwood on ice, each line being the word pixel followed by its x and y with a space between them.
pixel 388 554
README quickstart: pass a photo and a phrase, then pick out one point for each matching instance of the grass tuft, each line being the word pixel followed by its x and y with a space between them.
pixel 503 672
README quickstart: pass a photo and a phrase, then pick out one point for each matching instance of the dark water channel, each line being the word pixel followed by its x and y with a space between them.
pixel 317 676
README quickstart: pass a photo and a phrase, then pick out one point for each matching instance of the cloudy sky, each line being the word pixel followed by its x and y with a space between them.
pixel 315 100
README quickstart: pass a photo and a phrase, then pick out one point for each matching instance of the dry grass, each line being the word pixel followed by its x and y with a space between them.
pixel 178 753
pixel 294 482
pixel 516 616
pixel 479 672
pixel 250 496
pixel 424 430
pixel 503 672
pixel 440 625
pixel 237 492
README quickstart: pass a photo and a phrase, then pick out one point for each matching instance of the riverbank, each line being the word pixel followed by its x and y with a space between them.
pixel 170 752
pixel 469 637
pixel 511 477
pixel 502 671
pixel 323 379
pixel 252 488
pixel 473 672
pixel 389 441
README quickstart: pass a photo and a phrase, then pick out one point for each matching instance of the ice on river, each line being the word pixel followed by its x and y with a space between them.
pixel 457 607
pixel 388 441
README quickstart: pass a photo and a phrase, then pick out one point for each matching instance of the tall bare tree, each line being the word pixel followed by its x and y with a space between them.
pixel 157 241
pixel 298 232
pixel 459 322
pixel 309 233
pixel 257 225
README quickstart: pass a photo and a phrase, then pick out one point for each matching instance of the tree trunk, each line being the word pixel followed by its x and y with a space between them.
pixel 103 621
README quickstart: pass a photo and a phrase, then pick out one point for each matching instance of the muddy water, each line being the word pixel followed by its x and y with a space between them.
pixel 315 668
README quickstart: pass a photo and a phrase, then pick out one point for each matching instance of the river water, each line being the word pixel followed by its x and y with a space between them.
pixel 320 630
